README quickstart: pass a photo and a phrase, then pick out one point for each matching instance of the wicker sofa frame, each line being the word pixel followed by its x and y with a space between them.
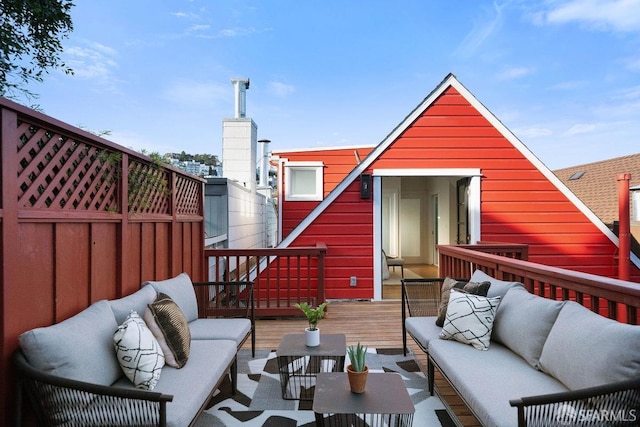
pixel 611 404
pixel 119 406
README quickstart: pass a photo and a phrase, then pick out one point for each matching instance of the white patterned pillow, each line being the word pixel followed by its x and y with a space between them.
pixel 138 352
pixel 469 319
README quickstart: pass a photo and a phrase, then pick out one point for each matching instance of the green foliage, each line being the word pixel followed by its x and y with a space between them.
pixel 357 355
pixel 31 34
pixel 144 181
pixel 313 314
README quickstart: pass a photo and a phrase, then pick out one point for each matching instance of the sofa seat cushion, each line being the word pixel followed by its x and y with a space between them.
pixel 191 385
pixel 80 347
pixel 498 288
pixel 523 322
pixel 585 349
pixel 423 329
pixel 220 329
pixel 487 380
pixel 137 302
pixel 180 289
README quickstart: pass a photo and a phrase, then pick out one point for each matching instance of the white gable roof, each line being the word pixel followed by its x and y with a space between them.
pixel 450 81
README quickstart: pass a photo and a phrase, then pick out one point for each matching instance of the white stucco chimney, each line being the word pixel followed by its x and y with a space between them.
pixel 239 140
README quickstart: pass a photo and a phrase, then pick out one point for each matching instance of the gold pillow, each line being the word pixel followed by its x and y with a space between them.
pixel 170 327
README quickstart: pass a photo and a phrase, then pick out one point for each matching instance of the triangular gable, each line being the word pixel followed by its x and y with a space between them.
pixel 449 81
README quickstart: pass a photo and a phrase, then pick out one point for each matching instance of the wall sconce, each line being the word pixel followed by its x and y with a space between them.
pixel 365 186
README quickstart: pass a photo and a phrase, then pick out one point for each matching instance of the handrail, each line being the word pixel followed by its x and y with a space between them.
pixel 613 298
pixel 281 276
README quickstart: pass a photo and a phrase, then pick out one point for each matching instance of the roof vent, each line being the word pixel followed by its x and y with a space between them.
pixel 241 86
pixel 576 175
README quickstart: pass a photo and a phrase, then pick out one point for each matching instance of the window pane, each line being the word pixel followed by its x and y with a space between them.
pixel 303 182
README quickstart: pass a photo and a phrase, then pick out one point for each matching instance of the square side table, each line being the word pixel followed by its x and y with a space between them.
pixel 385 401
pixel 299 365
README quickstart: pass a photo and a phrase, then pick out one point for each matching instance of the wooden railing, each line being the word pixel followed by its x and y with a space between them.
pixel 616 299
pixel 281 277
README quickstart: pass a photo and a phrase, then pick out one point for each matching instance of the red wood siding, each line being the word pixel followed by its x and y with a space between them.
pixel 337 164
pixel 518 203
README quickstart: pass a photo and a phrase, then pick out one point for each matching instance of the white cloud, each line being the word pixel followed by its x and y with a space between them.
pixel 94 61
pixel 481 31
pixel 581 128
pixel 515 73
pixel 618 15
pixel 533 132
pixel 280 89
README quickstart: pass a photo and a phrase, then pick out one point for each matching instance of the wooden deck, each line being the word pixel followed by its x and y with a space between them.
pixel 375 324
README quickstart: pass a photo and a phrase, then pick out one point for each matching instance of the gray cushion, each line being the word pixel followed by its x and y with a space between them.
pixel 180 289
pixel 585 349
pixel 487 380
pixel 220 329
pixel 137 302
pixel 191 384
pixel 523 321
pixel 80 348
pixel 423 329
pixel 498 287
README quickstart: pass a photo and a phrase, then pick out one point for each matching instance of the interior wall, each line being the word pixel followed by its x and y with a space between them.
pixel 401 198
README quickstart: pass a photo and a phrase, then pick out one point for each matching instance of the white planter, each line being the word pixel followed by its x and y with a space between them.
pixel 312 338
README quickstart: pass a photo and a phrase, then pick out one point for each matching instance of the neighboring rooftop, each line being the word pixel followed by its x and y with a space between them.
pixel 595 183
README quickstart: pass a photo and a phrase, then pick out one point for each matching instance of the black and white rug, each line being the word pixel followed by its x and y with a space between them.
pixel 259 402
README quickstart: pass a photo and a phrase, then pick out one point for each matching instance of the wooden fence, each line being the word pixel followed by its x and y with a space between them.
pixel 83 219
pixel 613 298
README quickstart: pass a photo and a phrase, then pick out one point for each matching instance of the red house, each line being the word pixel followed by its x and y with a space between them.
pixel 449 173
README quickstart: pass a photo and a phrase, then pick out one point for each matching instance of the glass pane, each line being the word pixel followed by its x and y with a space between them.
pixel 303 182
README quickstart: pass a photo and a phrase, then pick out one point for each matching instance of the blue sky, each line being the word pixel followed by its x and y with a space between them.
pixel 564 75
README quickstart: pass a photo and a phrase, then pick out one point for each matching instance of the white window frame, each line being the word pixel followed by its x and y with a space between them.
pixel 291 167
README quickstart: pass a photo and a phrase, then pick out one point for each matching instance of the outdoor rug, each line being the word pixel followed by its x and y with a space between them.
pixel 259 402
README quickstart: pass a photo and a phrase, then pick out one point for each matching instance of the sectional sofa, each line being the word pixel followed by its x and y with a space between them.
pixel 545 362
pixel 86 371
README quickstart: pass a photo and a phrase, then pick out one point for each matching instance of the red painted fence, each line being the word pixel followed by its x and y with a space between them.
pixel 613 298
pixel 83 219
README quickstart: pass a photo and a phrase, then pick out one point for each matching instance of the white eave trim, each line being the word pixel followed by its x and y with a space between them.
pixel 466 172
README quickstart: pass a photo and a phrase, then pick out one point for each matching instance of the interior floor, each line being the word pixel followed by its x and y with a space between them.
pixel 392 288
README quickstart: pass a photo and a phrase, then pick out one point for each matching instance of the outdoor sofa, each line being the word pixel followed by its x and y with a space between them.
pixel 71 374
pixel 547 362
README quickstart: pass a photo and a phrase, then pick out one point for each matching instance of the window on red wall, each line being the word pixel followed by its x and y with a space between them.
pixel 303 181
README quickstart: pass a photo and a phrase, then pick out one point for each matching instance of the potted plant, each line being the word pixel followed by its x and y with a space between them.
pixel 312 333
pixel 357 371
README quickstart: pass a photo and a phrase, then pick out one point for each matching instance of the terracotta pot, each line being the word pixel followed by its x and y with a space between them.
pixel 312 338
pixel 357 380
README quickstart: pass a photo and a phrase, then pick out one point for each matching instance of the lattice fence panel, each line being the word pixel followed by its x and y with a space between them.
pixel 58 172
pixel 188 196
pixel 148 189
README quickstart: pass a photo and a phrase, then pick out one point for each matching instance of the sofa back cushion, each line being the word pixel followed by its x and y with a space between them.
pixel 498 288
pixel 523 321
pixel 80 348
pixel 137 302
pixel 179 289
pixel 584 349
